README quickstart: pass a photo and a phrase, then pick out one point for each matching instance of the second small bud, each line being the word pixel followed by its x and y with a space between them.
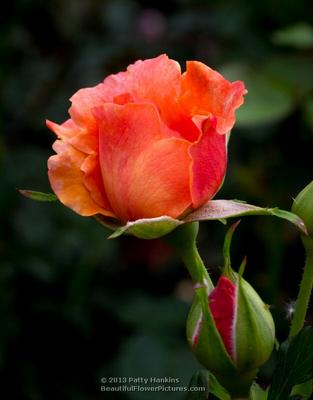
pixel 231 330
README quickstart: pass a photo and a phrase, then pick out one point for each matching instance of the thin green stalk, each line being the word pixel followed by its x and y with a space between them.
pixel 195 266
pixel 183 239
pixel 306 286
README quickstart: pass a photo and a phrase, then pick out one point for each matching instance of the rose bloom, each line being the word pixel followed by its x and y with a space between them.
pixel 147 142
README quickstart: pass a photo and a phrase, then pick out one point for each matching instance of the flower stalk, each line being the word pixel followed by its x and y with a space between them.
pixel 303 207
pixel 305 290
pixel 183 239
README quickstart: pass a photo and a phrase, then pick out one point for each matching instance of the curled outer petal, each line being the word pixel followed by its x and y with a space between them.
pixel 67 180
pixel 205 91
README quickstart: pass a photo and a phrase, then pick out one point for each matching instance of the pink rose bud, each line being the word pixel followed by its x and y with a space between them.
pixel 234 335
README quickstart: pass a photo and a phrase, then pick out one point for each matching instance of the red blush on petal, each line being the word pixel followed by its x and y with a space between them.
pixel 222 303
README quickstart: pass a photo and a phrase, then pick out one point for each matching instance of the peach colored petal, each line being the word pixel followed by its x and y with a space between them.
pixel 160 180
pixel 157 81
pixel 66 131
pixel 205 91
pixel 83 102
pixel 135 186
pixel 209 164
pixel 93 181
pixel 77 136
pixel 85 142
pixel 66 179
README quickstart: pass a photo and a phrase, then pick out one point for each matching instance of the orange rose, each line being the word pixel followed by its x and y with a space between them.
pixel 146 142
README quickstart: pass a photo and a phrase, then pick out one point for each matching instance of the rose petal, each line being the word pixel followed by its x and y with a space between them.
pixel 67 180
pixel 223 305
pixel 83 102
pixel 209 161
pixel 163 188
pixel 75 135
pixel 149 174
pixel 65 131
pixel 158 81
pixel 205 91
pixel 93 181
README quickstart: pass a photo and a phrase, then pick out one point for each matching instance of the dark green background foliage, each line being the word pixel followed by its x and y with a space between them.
pixel 75 307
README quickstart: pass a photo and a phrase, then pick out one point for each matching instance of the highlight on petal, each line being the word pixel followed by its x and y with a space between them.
pixel 209 161
pixel 67 180
pixel 77 136
pixel 66 131
pixel 149 174
pixel 156 80
pixel 223 303
pixel 83 103
pixel 205 92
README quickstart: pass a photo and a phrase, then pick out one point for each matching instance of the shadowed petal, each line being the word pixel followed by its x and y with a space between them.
pixel 67 180
pixel 209 161
pixel 93 181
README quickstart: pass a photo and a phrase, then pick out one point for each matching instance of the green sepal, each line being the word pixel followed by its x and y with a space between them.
pixel 255 329
pixel 148 228
pixel 209 349
pixel 303 206
pixel 303 391
pixel 206 380
pixel 38 196
pixel 221 210
pixel 227 270
pixel 257 393
pixel 152 228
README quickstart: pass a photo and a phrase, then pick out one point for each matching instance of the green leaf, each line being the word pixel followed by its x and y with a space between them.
pixel 148 228
pixel 206 383
pixel 217 209
pixel 257 393
pixel 39 196
pixel 304 390
pixel 217 389
pixel 294 366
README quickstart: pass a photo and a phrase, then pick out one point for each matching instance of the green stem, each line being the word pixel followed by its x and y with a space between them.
pixel 195 266
pixel 183 239
pixel 306 286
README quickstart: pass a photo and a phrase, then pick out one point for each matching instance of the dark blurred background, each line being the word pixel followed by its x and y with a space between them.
pixel 75 307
